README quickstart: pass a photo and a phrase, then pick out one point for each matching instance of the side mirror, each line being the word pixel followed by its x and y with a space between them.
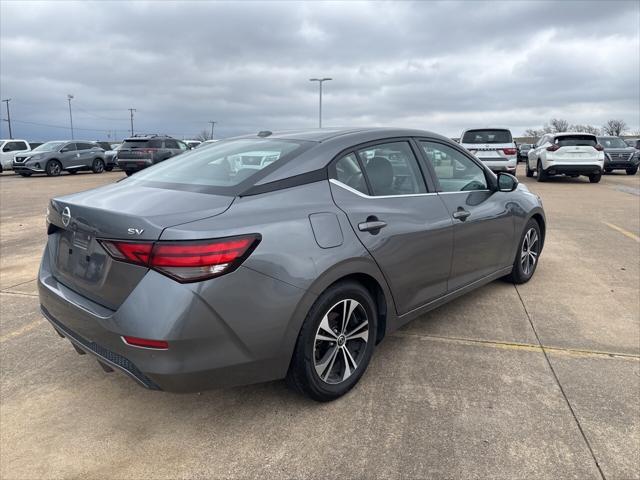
pixel 507 182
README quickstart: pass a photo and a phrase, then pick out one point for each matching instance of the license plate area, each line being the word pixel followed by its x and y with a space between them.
pixel 78 258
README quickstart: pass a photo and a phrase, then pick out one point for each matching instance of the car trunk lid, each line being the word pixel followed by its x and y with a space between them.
pixel 140 213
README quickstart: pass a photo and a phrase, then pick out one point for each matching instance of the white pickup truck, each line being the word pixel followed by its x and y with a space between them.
pixel 8 150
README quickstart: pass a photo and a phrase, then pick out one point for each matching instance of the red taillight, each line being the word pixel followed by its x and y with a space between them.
pixel 599 147
pixel 553 147
pixel 509 151
pixel 146 343
pixel 186 261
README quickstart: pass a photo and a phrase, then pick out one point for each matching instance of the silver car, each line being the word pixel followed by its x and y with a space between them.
pixel 284 255
pixel 55 157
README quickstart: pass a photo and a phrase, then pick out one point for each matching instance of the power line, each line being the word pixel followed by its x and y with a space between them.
pixel 60 126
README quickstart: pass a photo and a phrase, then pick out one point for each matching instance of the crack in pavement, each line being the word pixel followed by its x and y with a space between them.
pixel 555 375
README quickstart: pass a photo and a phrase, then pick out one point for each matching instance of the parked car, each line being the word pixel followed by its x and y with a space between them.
pixel 57 156
pixel 567 153
pixel 494 146
pixel 523 150
pixel 634 142
pixel 111 156
pixel 192 143
pixel 619 156
pixel 196 273
pixel 142 151
pixel 8 150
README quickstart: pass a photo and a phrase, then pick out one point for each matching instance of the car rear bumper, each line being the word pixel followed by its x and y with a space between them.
pixel 134 165
pixel 501 165
pixel 219 332
pixel 574 169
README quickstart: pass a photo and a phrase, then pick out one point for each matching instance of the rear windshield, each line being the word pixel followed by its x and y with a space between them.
pixel 223 164
pixel 576 141
pixel 612 142
pixel 142 143
pixel 487 136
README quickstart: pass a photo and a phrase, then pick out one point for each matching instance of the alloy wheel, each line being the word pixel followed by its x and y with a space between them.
pixel 529 251
pixel 341 341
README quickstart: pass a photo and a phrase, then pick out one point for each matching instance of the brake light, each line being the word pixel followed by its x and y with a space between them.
pixel 509 151
pixel 553 147
pixel 599 147
pixel 186 261
pixel 146 343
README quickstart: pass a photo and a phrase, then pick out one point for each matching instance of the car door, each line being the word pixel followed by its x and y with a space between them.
pixel 404 225
pixel 534 153
pixel 87 153
pixel 483 222
pixel 69 156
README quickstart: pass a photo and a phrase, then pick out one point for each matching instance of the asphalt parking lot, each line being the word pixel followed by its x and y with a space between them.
pixel 539 381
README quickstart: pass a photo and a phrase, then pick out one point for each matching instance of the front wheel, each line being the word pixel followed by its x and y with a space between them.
pixel 98 166
pixel 595 177
pixel 53 168
pixel 632 170
pixel 529 248
pixel 335 344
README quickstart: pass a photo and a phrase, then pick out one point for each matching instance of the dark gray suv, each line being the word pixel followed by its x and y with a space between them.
pixel 142 151
pixel 619 156
pixel 280 255
pixel 55 157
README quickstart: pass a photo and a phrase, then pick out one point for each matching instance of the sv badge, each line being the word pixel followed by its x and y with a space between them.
pixel 135 231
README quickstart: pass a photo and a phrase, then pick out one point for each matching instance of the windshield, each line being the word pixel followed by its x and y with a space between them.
pixel 612 142
pixel 576 141
pixel 223 164
pixel 48 147
pixel 487 136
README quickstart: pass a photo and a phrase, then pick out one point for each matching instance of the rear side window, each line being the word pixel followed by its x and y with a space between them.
pixel 84 146
pixel 169 143
pixel 348 172
pixel 576 141
pixel 223 164
pixel 487 136
pixel 392 169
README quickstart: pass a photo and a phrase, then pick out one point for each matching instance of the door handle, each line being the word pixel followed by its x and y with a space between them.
pixel 461 214
pixel 372 225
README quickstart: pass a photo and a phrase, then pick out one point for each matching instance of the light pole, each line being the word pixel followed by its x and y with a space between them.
pixel 320 81
pixel 8 117
pixel 131 110
pixel 69 98
pixel 212 124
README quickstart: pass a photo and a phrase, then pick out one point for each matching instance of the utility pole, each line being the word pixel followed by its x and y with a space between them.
pixel 320 81
pixel 131 110
pixel 69 98
pixel 8 117
pixel 212 124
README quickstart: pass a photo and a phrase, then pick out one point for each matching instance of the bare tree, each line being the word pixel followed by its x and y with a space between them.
pixel 204 135
pixel 585 129
pixel 614 127
pixel 533 132
pixel 558 125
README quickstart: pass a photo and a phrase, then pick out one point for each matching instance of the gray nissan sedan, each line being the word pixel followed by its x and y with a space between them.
pixel 279 255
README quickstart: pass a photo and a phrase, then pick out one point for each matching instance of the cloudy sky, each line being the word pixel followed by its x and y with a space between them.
pixel 437 66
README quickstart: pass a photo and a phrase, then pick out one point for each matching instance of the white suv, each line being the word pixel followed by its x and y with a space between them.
pixel 8 150
pixel 567 153
pixel 493 146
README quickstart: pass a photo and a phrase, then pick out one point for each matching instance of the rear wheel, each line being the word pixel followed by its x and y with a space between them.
pixel 128 172
pixel 53 168
pixel 529 171
pixel 98 166
pixel 25 174
pixel 72 172
pixel 542 175
pixel 526 261
pixel 632 170
pixel 608 170
pixel 335 344
pixel 595 177
pixel 108 168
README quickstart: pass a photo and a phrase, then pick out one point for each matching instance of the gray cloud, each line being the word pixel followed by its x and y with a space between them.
pixel 439 66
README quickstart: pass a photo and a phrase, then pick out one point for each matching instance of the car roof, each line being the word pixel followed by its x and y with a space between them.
pixel 357 135
pixel 561 134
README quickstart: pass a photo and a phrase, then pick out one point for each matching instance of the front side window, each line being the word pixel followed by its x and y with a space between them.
pixel 392 169
pixel 69 147
pixel 455 171
pixel 348 172
pixel 224 164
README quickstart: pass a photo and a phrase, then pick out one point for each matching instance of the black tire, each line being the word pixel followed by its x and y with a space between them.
pixel 595 177
pixel 518 273
pixel 25 174
pixel 310 351
pixel 542 175
pixel 53 168
pixel 632 170
pixel 108 168
pixel 129 172
pixel 608 170
pixel 529 171
pixel 72 172
pixel 97 166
